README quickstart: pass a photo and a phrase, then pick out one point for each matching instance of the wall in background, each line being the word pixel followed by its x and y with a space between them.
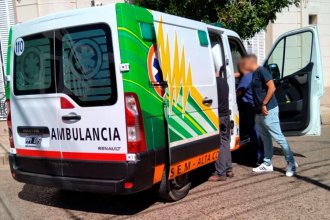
pixel 310 12
pixel 29 9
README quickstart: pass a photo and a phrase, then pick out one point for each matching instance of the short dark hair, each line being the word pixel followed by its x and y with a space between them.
pixel 251 56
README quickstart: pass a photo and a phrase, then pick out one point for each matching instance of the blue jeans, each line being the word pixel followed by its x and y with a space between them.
pixel 268 127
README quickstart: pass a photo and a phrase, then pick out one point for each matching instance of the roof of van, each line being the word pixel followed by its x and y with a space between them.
pixel 192 23
pixel 75 12
pixel 228 32
pixel 61 14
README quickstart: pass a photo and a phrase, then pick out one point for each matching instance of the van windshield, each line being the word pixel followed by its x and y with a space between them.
pixel 83 68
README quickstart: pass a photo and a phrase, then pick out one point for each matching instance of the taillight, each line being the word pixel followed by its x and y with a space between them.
pixel 9 124
pixel 134 124
pixel 66 104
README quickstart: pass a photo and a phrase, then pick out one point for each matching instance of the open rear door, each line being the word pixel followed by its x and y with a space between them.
pixel 295 63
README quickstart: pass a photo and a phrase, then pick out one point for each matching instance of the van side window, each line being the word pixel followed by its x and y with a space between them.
pixel 237 51
pixel 88 65
pixel 33 67
pixel 290 55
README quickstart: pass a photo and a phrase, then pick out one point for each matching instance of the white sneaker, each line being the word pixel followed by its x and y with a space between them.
pixel 263 168
pixel 291 169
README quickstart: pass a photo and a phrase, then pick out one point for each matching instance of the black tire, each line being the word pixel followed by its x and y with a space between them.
pixel 175 189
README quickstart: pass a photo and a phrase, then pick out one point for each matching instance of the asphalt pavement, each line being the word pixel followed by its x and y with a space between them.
pixel 246 196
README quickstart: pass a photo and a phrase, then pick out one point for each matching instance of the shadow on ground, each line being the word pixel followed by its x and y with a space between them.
pixel 102 203
pixel 247 157
pixel 110 204
pixel 89 202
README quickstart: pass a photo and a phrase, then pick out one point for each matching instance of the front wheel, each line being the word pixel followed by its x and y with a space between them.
pixel 174 189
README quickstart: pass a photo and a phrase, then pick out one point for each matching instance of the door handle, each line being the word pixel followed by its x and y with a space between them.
pixel 71 118
pixel 207 101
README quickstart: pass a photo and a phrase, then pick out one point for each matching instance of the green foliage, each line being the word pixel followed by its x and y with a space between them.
pixel 246 17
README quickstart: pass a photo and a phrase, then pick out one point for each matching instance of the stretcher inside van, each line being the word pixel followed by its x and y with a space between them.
pixel 119 98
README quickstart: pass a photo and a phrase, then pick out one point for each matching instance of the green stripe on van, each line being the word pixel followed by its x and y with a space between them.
pixel 134 50
pixel 192 102
pixel 7 89
pixel 175 135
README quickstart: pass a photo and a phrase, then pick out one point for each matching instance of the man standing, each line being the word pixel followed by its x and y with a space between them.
pixel 223 166
pixel 267 118
pixel 246 107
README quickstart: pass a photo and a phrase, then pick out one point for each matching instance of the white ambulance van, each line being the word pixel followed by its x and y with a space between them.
pixel 119 98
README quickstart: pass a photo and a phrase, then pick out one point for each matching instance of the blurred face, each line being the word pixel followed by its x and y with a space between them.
pixel 250 63
pixel 242 67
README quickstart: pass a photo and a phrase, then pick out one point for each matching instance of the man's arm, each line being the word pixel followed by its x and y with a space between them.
pixel 270 91
pixel 242 86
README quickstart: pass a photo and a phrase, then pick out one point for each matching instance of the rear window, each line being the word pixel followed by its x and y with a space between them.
pixel 34 67
pixel 84 65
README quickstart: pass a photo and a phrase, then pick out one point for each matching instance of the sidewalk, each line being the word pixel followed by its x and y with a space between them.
pixel 325 107
pixel 4 142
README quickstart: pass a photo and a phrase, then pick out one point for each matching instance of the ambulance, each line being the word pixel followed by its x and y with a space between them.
pixel 118 99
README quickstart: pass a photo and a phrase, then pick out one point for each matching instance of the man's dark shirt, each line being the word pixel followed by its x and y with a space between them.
pixel 245 85
pixel 223 96
pixel 260 77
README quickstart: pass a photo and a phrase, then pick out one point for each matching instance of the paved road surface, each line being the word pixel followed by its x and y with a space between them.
pixel 247 196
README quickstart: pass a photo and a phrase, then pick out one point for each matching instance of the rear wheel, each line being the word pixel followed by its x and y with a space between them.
pixel 174 189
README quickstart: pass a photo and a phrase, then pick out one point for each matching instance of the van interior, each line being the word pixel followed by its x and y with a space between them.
pixel 237 52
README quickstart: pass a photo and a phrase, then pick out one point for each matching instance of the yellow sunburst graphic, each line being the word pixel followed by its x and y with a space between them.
pixel 176 73
pixel 179 75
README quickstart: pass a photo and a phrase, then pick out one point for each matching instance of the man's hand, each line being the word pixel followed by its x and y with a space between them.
pixel 270 91
pixel 239 92
pixel 264 110
pixel 237 74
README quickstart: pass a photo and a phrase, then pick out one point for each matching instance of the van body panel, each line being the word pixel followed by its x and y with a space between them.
pixel 192 124
pixel 139 54
pixel 118 173
pixel 30 113
pixel 90 138
pixel 110 128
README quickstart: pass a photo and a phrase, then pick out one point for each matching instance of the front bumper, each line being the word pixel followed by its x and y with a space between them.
pixel 139 173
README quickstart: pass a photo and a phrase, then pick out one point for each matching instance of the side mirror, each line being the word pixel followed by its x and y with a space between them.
pixel 275 71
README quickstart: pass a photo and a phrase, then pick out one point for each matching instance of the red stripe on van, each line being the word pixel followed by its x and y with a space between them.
pixel 39 153
pixel 71 155
pixel 93 156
